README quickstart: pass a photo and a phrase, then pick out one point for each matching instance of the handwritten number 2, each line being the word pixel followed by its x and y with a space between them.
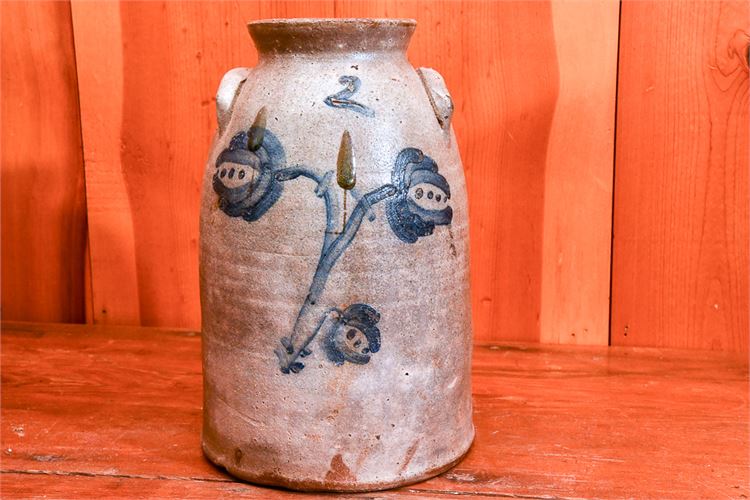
pixel 342 99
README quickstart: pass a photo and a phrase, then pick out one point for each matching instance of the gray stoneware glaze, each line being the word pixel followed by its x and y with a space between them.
pixel 334 264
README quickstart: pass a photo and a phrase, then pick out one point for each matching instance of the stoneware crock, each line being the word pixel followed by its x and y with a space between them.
pixel 334 264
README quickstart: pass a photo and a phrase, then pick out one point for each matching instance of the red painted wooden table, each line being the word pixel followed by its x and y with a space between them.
pixel 115 412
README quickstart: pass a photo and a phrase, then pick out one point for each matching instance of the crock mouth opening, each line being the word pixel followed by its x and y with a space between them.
pixel 305 35
pixel 332 21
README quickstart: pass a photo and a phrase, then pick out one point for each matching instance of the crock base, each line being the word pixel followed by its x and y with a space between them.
pixel 311 485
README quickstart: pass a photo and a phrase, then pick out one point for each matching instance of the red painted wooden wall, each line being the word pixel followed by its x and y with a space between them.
pixel 571 117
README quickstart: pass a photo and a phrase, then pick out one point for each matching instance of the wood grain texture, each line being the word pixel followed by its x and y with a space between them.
pixel 43 203
pixel 91 409
pixel 680 269
pixel 578 176
pixel 28 485
pixel 114 285
pixel 500 60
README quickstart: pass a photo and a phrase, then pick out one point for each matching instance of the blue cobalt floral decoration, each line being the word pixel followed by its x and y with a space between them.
pixel 249 179
pixel 245 179
pixel 353 336
pixel 421 201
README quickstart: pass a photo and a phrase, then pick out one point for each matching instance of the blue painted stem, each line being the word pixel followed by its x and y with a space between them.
pixel 330 255
pixel 310 314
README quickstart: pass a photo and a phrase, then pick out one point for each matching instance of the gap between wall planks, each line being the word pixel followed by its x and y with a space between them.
pixel 680 268
pixel 43 204
pixel 148 73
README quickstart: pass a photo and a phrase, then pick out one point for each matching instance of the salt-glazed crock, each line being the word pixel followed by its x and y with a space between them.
pixel 334 264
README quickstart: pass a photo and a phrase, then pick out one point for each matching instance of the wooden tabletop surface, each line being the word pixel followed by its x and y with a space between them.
pixel 115 412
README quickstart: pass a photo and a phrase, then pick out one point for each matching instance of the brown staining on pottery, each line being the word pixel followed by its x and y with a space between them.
pixel 339 472
pixel 452 243
pixel 306 484
pixel 332 416
pixel 310 36
pixel 313 437
pixel 409 455
pixel 346 176
pixel 257 131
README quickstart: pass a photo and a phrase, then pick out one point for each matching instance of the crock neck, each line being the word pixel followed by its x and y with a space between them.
pixel 310 36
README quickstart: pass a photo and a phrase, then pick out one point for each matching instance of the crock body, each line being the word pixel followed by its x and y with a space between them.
pixel 334 265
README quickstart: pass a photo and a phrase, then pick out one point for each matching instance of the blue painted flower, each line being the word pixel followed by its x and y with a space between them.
pixel 421 202
pixel 244 179
pixel 354 336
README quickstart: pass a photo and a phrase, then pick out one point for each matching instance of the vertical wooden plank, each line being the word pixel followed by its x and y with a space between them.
pixel 43 203
pixel 578 175
pixel 511 75
pixel 680 270
pixel 111 247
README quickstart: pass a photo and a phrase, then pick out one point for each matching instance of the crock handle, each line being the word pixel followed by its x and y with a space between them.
pixel 229 89
pixel 440 98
